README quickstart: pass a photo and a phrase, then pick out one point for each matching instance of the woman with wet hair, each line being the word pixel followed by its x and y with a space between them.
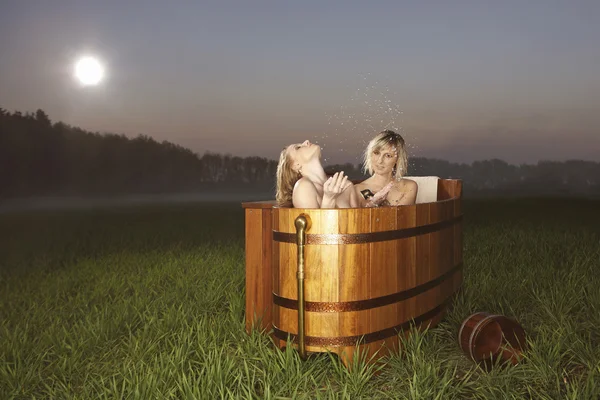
pixel 302 182
pixel 385 159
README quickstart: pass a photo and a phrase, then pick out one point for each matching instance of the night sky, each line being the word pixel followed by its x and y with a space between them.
pixel 461 80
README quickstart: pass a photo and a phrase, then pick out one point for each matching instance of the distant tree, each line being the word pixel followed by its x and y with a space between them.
pixel 42 118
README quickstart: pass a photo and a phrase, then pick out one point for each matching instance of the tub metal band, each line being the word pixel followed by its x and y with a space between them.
pixel 362 339
pixel 372 237
pixel 358 305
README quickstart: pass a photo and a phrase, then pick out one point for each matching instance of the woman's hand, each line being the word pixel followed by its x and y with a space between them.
pixel 333 187
pixel 380 196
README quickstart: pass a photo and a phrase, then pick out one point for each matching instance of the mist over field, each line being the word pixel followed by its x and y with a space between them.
pixel 86 203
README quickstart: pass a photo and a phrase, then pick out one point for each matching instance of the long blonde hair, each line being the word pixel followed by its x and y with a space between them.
pixel 383 139
pixel 286 179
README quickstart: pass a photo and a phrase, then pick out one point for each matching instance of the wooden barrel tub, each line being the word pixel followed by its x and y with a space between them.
pixel 369 273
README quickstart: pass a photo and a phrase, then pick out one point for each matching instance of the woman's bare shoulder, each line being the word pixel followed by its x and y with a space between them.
pixel 304 184
pixel 305 194
pixel 403 187
pixel 407 185
pixel 403 193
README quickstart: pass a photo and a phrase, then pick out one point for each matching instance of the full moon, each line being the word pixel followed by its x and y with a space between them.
pixel 89 71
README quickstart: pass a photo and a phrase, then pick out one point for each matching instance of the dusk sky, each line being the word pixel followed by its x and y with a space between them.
pixel 460 80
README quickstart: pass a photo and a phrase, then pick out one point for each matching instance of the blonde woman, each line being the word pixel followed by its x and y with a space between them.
pixel 302 182
pixel 385 159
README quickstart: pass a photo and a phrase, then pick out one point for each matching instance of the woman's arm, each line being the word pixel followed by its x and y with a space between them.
pixel 380 196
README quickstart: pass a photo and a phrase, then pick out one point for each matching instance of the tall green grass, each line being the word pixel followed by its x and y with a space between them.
pixel 148 303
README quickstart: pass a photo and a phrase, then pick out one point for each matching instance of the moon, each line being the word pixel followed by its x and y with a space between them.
pixel 89 71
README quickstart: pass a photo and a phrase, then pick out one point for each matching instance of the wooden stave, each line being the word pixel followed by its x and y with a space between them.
pixel 258 272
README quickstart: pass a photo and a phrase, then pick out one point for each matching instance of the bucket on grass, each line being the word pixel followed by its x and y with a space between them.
pixel 484 337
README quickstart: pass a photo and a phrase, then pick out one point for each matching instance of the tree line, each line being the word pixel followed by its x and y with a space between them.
pixel 39 157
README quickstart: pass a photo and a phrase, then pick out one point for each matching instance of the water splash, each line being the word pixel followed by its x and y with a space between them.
pixel 371 108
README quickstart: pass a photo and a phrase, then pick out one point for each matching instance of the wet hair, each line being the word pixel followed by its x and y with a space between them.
pixel 383 139
pixel 286 179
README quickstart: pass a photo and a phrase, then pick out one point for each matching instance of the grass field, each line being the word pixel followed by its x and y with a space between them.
pixel 148 303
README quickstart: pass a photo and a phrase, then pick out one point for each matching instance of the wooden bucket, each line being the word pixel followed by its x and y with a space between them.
pixel 514 341
pixel 484 336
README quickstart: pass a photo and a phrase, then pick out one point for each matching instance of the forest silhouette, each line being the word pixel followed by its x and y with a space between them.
pixel 42 158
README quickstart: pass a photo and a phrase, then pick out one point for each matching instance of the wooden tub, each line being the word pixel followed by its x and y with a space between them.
pixel 369 272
